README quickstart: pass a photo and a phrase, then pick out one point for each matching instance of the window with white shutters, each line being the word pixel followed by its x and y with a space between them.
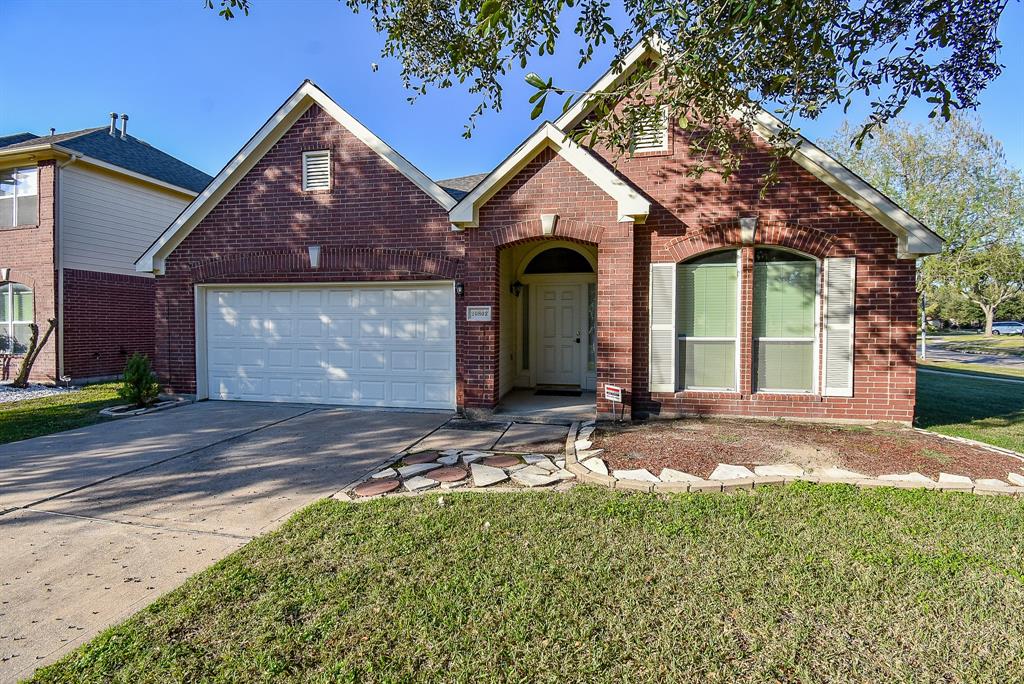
pixel 316 170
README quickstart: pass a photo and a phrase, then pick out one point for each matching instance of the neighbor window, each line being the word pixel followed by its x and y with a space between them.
pixel 785 302
pixel 706 306
pixel 651 135
pixel 316 170
pixel 15 317
pixel 19 197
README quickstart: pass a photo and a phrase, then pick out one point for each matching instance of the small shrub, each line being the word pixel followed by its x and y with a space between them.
pixel 140 385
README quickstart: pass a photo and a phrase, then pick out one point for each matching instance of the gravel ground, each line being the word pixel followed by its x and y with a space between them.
pixel 10 394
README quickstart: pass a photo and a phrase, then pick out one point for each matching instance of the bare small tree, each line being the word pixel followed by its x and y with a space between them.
pixel 35 345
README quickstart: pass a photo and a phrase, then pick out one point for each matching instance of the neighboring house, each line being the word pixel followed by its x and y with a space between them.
pixel 320 265
pixel 76 210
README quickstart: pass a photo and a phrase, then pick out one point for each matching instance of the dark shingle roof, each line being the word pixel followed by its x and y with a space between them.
pixel 461 186
pixel 131 154
pixel 6 140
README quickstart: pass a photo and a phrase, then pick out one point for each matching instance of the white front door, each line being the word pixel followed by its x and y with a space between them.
pixel 560 334
pixel 384 344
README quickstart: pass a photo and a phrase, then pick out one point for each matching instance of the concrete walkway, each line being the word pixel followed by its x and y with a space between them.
pixel 99 522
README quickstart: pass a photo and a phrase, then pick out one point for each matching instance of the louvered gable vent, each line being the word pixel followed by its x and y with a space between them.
pixel 652 135
pixel 316 170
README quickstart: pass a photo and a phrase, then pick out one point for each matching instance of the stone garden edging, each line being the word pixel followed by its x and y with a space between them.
pixel 586 475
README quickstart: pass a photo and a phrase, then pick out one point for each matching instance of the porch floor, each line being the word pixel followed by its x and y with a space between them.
pixel 525 404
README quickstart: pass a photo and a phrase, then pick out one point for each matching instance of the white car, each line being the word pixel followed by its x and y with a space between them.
pixel 1008 328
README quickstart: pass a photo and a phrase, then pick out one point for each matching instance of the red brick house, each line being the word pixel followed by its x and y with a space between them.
pixel 76 209
pixel 322 266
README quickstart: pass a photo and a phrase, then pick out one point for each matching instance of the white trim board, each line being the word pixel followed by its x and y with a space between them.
pixel 915 239
pixel 265 138
pixel 632 206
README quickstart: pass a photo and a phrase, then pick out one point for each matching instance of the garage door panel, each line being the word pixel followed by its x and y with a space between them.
pixel 371 300
pixel 391 345
pixel 437 328
pixel 437 361
pixel 405 329
pixel 309 301
pixel 344 359
pixel 342 328
pixel 310 328
pixel 280 359
pixel 404 360
pixel 372 360
pixel 374 329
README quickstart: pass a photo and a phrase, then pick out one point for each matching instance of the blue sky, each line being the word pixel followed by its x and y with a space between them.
pixel 198 87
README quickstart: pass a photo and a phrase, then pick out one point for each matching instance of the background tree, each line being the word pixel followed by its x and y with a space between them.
pixel 793 57
pixel 955 178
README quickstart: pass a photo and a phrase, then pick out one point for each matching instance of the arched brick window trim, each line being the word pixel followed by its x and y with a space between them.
pixel 810 241
pixel 333 260
pixel 565 229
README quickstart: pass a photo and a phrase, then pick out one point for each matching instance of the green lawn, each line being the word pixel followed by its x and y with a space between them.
pixel 802 583
pixel 979 369
pixel 24 419
pixel 1006 344
pixel 970 406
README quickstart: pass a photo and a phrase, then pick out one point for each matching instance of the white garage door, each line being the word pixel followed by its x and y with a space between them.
pixel 375 345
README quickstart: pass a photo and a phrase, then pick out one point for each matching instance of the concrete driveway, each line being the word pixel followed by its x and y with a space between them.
pixel 98 522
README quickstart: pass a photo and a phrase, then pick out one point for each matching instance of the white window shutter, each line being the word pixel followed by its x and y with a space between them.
pixel 840 292
pixel 663 328
pixel 316 170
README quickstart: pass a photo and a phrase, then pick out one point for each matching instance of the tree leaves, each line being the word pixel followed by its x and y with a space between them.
pixel 796 58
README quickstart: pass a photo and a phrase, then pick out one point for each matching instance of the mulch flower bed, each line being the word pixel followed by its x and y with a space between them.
pixel 697 446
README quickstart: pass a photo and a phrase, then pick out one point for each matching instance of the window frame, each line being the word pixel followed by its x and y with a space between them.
pixel 14 198
pixel 682 337
pixel 815 341
pixel 7 325
pixel 305 165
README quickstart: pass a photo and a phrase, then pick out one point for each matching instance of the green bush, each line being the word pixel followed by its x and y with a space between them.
pixel 140 385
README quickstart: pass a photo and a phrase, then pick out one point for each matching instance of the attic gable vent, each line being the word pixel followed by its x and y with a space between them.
pixel 316 170
pixel 652 135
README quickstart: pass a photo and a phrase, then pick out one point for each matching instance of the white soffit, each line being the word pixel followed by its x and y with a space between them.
pixel 915 239
pixel 632 206
pixel 264 139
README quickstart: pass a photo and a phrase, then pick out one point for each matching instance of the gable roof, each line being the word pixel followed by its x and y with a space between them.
pixel 130 153
pixel 460 187
pixel 632 206
pixel 915 239
pixel 258 145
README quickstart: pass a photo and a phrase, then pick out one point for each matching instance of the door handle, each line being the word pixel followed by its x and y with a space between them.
pixel 577 340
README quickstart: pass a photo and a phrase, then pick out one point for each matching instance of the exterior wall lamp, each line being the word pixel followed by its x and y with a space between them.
pixel 460 289
pixel 516 288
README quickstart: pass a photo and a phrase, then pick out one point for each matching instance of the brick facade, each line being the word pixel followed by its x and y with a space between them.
pixel 374 224
pixel 29 252
pixel 107 318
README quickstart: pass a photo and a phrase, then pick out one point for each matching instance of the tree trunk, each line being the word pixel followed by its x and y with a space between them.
pixel 21 379
pixel 990 316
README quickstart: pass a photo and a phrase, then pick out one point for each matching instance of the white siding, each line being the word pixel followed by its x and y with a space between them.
pixel 107 223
